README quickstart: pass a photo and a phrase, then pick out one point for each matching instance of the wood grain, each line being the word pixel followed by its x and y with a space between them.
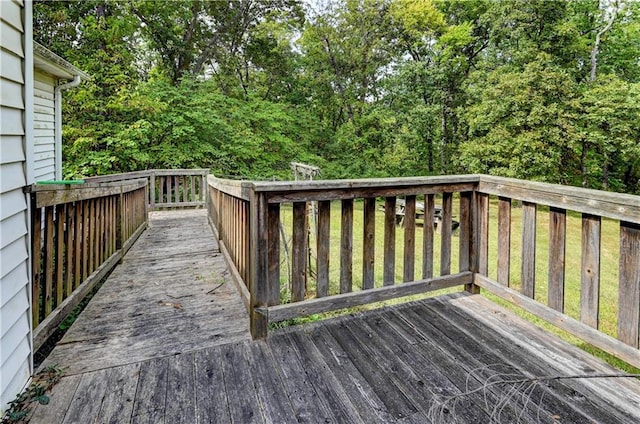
pixel 386 365
pixel 409 239
pixel 389 265
pixel 557 246
pixel 590 270
pixel 528 249
pixel 322 248
pixel 445 231
pixel 299 252
pixel 427 236
pixel 368 259
pixel 562 321
pixel 504 241
pixel 629 284
pixel 346 246
pixel 482 237
pixel 172 293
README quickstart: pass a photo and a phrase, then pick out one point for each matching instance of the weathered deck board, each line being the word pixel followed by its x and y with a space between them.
pixel 396 364
pixel 172 294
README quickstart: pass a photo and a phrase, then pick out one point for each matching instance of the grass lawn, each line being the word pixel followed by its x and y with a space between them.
pixel 608 276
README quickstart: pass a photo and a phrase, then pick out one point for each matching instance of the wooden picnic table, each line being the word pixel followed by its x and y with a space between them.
pixel 437 214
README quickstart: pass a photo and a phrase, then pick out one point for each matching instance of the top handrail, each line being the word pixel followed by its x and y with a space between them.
pixel 55 194
pixel 145 174
pixel 624 207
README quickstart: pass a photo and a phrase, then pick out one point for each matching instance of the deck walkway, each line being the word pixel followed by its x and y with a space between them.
pixel 164 342
pixel 172 294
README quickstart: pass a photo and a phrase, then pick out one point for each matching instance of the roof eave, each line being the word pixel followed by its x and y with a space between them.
pixel 48 61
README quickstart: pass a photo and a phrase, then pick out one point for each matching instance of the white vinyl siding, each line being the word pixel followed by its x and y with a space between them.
pixel 44 123
pixel 15 335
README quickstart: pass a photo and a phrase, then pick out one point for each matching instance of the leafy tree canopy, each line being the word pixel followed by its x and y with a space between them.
pixel 540 89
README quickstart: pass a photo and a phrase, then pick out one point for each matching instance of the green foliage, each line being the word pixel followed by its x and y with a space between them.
pixel 607 114
pixel 43 381
pixel 358 87
pixel 518 122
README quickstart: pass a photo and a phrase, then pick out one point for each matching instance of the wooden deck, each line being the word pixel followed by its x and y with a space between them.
pixel 166 340
pixel 437 360
pixel 172 294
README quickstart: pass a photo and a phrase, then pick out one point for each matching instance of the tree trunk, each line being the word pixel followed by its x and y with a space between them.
pixel 614 7
pixel 583 164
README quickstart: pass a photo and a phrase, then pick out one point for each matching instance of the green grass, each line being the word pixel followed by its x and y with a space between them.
pixel 608 279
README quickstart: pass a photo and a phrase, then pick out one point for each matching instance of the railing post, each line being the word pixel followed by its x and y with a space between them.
pixel 152 190
pixel 259 265
pixel 479 233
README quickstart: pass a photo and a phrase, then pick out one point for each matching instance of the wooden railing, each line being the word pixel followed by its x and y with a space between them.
pixel 247 216
pixel 79 233
pixel 592 206
pixel 167 188
pixel 255 234
pixel 229 210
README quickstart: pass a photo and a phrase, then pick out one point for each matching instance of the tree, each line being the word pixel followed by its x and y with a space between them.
pixel 607 112
pixel 97 36
pixel 519 123
pixel 231 41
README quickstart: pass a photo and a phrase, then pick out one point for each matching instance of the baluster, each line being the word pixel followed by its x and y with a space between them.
pixel 86 244
pixel 346 246
pixel 78 245
pixel 409 239
pixel 483 233
pixel 49 258
pixel 323 241
pixel 427 236
pixel 273 252
pixel 464 246
pixel 193 189
pixel 61 219
pixel 504 241
pixel 389 241
pixel 629 286
pixel 445 231
pixel 590 275
pixel 528 249
pixel 557 235
pixel 70 251
pixel 299 249
pixel 368 260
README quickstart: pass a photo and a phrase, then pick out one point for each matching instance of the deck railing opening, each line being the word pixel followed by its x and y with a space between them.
pixel 360 255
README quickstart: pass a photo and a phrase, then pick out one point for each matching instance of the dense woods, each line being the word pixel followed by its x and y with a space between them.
pixel 537 89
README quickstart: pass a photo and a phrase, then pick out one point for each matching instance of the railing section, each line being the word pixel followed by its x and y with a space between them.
pixel 79 233
pixel 229 214
pixel 248 218
pixel 591 207
pixel 167 188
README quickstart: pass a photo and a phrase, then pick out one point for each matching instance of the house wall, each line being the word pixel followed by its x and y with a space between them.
pixel 15 328
pixel 44 127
